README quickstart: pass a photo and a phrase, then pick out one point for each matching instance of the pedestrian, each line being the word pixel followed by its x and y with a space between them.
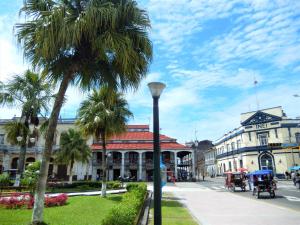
pixel 293 176
pixel 249 182
pixel 286 175
pixel 203 176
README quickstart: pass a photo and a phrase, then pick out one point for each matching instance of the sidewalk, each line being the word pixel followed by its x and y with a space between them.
pixel 224 208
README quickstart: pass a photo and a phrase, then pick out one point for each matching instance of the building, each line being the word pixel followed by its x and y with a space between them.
pixel 211 162
pixel 129 155
pixel 200 147
pixel 266 139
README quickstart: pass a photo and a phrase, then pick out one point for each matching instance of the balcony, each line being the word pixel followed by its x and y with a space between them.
pixel 16 149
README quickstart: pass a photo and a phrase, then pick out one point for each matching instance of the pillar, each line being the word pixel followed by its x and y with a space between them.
pixel 193 164
pixel 140 165
pixel 175 164
pixel 123 164
pixel 6 161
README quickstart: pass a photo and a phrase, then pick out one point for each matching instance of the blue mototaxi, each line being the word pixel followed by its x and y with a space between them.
pixel 263 182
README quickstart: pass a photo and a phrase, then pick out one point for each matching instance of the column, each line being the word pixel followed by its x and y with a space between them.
pixel 175 164
pixel 123 164
pixel 6 161
pixel 140 165
pixel 193 164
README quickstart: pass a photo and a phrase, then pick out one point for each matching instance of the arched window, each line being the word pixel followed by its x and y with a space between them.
pixel 14 163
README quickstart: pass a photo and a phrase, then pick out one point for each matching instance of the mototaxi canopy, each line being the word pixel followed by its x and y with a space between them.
pixel 294 168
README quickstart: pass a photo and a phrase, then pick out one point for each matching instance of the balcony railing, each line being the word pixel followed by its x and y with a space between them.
pixel 35 149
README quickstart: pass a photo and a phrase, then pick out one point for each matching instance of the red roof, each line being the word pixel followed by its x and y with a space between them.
pixel 138 126
pixel 138 135
pixel 139 140
pixel 140 146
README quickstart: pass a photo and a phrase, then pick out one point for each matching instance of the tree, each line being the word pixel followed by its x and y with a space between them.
pixel 103 114
pixel 72 148
pixel 32 94
pixel 87 43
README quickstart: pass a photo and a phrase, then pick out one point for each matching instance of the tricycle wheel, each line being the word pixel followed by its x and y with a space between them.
pixel 254 191
pixel 272 194
pixel 257 196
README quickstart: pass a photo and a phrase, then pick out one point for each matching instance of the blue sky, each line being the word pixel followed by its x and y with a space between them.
pixel 208 53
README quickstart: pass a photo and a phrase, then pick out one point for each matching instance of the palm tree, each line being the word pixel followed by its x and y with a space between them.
pixel 103 114
pixel 72 148
pixel 32 94
pixel 87 43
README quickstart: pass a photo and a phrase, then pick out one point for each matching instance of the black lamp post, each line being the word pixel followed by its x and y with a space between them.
pixel 156 89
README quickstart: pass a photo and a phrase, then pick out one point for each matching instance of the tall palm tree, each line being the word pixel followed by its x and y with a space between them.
pixel 87 43
pixel 32 94
pixel 72 148
pixel 103 114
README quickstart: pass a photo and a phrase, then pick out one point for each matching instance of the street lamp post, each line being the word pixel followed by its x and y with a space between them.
pixel 21 161
pixel 156 89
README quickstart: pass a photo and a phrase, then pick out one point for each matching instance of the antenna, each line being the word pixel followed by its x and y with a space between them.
pixel 196 131
pixel 255 89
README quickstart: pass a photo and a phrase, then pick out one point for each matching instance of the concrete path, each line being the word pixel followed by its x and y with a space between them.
pixel 213 207
pixel 90 193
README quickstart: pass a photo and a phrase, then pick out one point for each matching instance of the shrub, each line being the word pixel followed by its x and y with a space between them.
pixel 31 175
pixel 126 212
pixel 4 180
pixel 86 185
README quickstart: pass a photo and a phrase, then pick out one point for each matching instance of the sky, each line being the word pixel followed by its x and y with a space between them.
pixel 208 53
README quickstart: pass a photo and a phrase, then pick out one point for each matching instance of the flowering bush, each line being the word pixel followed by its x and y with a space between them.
pixel 31 175
pixel 16 201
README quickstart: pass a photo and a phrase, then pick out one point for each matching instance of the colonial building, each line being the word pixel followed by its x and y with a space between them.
pixel 266 139
pixel 129 155
pixel 200 147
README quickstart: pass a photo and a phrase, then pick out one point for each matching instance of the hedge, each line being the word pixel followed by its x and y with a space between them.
pixel 126 212
pixel 86 184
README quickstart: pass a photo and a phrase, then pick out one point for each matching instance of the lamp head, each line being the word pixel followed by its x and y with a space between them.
pixel 32 139
pixel 156 88
pixel 19 138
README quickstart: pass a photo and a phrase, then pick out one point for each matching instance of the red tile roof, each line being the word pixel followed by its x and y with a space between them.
pixel 138 135
pixel 138 126
pixel 140 146
pixel 139 140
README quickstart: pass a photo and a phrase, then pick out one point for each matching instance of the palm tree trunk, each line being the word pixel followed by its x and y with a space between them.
pixel 71 173
pixel 39 197
pixel 104 162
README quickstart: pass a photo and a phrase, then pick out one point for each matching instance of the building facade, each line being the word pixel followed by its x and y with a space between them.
pixel 129 155
pixel 211 162
pixel 266 139
pixel 200 147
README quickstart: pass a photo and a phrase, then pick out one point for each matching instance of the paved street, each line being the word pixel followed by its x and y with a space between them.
pixel 286 195
pixel 211 204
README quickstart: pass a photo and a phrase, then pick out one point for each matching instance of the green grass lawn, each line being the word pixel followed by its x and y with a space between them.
pixel 83 210
pixel 173 213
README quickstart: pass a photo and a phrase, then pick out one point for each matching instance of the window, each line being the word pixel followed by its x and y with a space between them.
pixel 297 135
pixel 1 139
pixel 249 136
pixel 238 144
pixel 233 146
pixel 228 147
pixel 263 139
pixel 241 163
pixel 230 165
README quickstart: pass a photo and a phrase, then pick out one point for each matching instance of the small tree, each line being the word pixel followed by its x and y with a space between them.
pixel 72 148
pixel 102 115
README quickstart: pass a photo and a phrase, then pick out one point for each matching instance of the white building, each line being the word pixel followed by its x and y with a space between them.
pixel 131 154
pixel 266 139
